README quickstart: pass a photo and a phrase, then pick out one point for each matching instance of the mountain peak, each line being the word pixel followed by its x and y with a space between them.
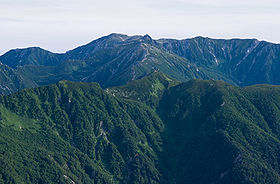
pixel 28 49
pixel 147 37
pixel 200 38
pixel 29 56
pixel 116 36
pixel 144 39
pixel 123 37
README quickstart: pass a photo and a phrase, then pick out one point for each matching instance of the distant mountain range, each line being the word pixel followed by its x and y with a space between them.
pixel 116 59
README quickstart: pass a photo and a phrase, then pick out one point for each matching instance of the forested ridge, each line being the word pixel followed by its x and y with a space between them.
pixel 152 130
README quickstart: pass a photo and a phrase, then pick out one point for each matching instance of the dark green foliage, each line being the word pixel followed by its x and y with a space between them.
pixel 154 130
pixel 99 138
pixel 148 89
pixel 218 136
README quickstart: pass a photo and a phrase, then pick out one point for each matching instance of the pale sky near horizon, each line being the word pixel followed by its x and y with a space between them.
pixel 60 25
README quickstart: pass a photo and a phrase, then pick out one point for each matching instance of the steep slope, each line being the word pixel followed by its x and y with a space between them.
pixel 150 131
pixel 86 52
pixel 214 132
pixel 71 131
pixel 217 133
pixel 11 80
pixel 247 61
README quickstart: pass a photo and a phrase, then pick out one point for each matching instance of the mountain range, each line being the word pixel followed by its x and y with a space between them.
pixel 152 130
pixel 116 59
pixel 133 110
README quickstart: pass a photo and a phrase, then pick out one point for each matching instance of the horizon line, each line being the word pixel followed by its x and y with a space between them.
pixel 142 35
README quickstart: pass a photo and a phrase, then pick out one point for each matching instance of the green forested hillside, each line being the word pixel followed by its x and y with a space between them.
pixel 219 134
pixel 76 131
pixel 154 130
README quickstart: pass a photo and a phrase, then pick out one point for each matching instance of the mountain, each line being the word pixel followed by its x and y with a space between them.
pixel 116 59
pixel 220 133
pixel 11 80
pixel 149 89
pixel 30 56
pixel 76 132
pixel 247 61
pixel 153 130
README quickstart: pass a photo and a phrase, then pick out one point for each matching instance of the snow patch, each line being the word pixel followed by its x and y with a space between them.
pixel 249 50
pixel 215 58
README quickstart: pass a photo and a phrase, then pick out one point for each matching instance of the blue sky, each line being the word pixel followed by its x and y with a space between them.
pixel 60 25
